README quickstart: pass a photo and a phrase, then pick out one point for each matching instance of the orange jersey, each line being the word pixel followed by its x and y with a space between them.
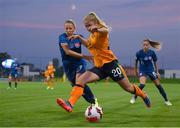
pixel 98 45
pixel 46 73
pixel 51 69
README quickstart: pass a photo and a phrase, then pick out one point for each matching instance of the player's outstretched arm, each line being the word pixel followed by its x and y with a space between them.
pixel 83 40
pixel 102 30
pixel 69 52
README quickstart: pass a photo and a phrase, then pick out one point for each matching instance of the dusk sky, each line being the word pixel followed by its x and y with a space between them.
pixel 29 29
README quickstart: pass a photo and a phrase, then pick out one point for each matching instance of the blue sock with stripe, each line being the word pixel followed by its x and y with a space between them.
pixel 88 95
pixel 162 92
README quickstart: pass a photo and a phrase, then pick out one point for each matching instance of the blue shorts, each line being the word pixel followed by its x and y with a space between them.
pixel 152 75
pixel 14 75
pixel 71 69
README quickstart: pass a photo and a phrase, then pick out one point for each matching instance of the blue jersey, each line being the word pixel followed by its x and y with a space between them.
pixel 71 64
pixel 14 68
pixel 146 60
pixel 74 45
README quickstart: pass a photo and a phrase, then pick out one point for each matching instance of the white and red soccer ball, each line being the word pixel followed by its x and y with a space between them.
pixel 93 113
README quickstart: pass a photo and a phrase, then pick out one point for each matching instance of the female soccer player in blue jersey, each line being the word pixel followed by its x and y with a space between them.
pixel 13 76
pixel 148 67
pixel 73 60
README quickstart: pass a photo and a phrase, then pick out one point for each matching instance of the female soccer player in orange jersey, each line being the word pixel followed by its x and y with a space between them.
pixel 49 74
pixel 105 62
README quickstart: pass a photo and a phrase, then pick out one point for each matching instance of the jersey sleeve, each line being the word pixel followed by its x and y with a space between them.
pixel 92 39
pixel 154 57
pixel 63 40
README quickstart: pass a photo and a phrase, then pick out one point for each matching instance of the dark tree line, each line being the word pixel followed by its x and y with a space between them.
pixel 4 56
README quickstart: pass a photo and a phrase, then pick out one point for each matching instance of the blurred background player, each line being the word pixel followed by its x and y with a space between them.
pixel 148 67
pixel 13 76
pixel 49 74
pixel 47 79
pixel 73 60
pixel 105 62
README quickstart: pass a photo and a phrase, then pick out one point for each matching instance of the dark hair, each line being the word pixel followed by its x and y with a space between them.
pixel 71 22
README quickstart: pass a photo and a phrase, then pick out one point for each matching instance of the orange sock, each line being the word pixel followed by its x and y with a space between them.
pixel 76 93
pixel 139 92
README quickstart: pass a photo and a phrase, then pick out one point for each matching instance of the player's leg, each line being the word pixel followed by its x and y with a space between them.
pixel 142 80
pixel 70 73
pixel 48 82
pixel 15 83
pixel 116 73
pixel 73 73
pixel 78 90
pixel 52 81
pixel 15 80
pixel 134 89
pixel 87 94
pixel 9 81
pixel 162 91
pixel 123 72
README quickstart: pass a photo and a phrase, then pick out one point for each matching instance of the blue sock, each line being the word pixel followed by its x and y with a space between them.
pixel 15 84
pixel 162 92
pixel 88 95
pixel 10 84
pixel 141 86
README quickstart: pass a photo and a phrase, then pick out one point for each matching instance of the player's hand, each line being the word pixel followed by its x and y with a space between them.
pixel 73 37
pixel 93 28
pixel 88 58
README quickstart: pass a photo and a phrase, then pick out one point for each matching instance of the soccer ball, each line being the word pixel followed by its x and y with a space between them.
pixel 93 113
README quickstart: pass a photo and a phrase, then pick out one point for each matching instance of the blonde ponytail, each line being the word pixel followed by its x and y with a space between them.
pixel 154 44
pixel 92 16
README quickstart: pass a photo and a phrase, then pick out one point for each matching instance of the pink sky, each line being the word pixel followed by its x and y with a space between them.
pixel 39 23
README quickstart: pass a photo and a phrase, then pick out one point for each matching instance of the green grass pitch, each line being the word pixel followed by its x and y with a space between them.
pixel 32 105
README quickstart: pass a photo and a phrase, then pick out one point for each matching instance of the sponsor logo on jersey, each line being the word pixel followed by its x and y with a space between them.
pixel 77 45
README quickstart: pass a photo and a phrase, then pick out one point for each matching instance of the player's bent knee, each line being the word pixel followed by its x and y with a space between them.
pixel 129 89
pixel 81 83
